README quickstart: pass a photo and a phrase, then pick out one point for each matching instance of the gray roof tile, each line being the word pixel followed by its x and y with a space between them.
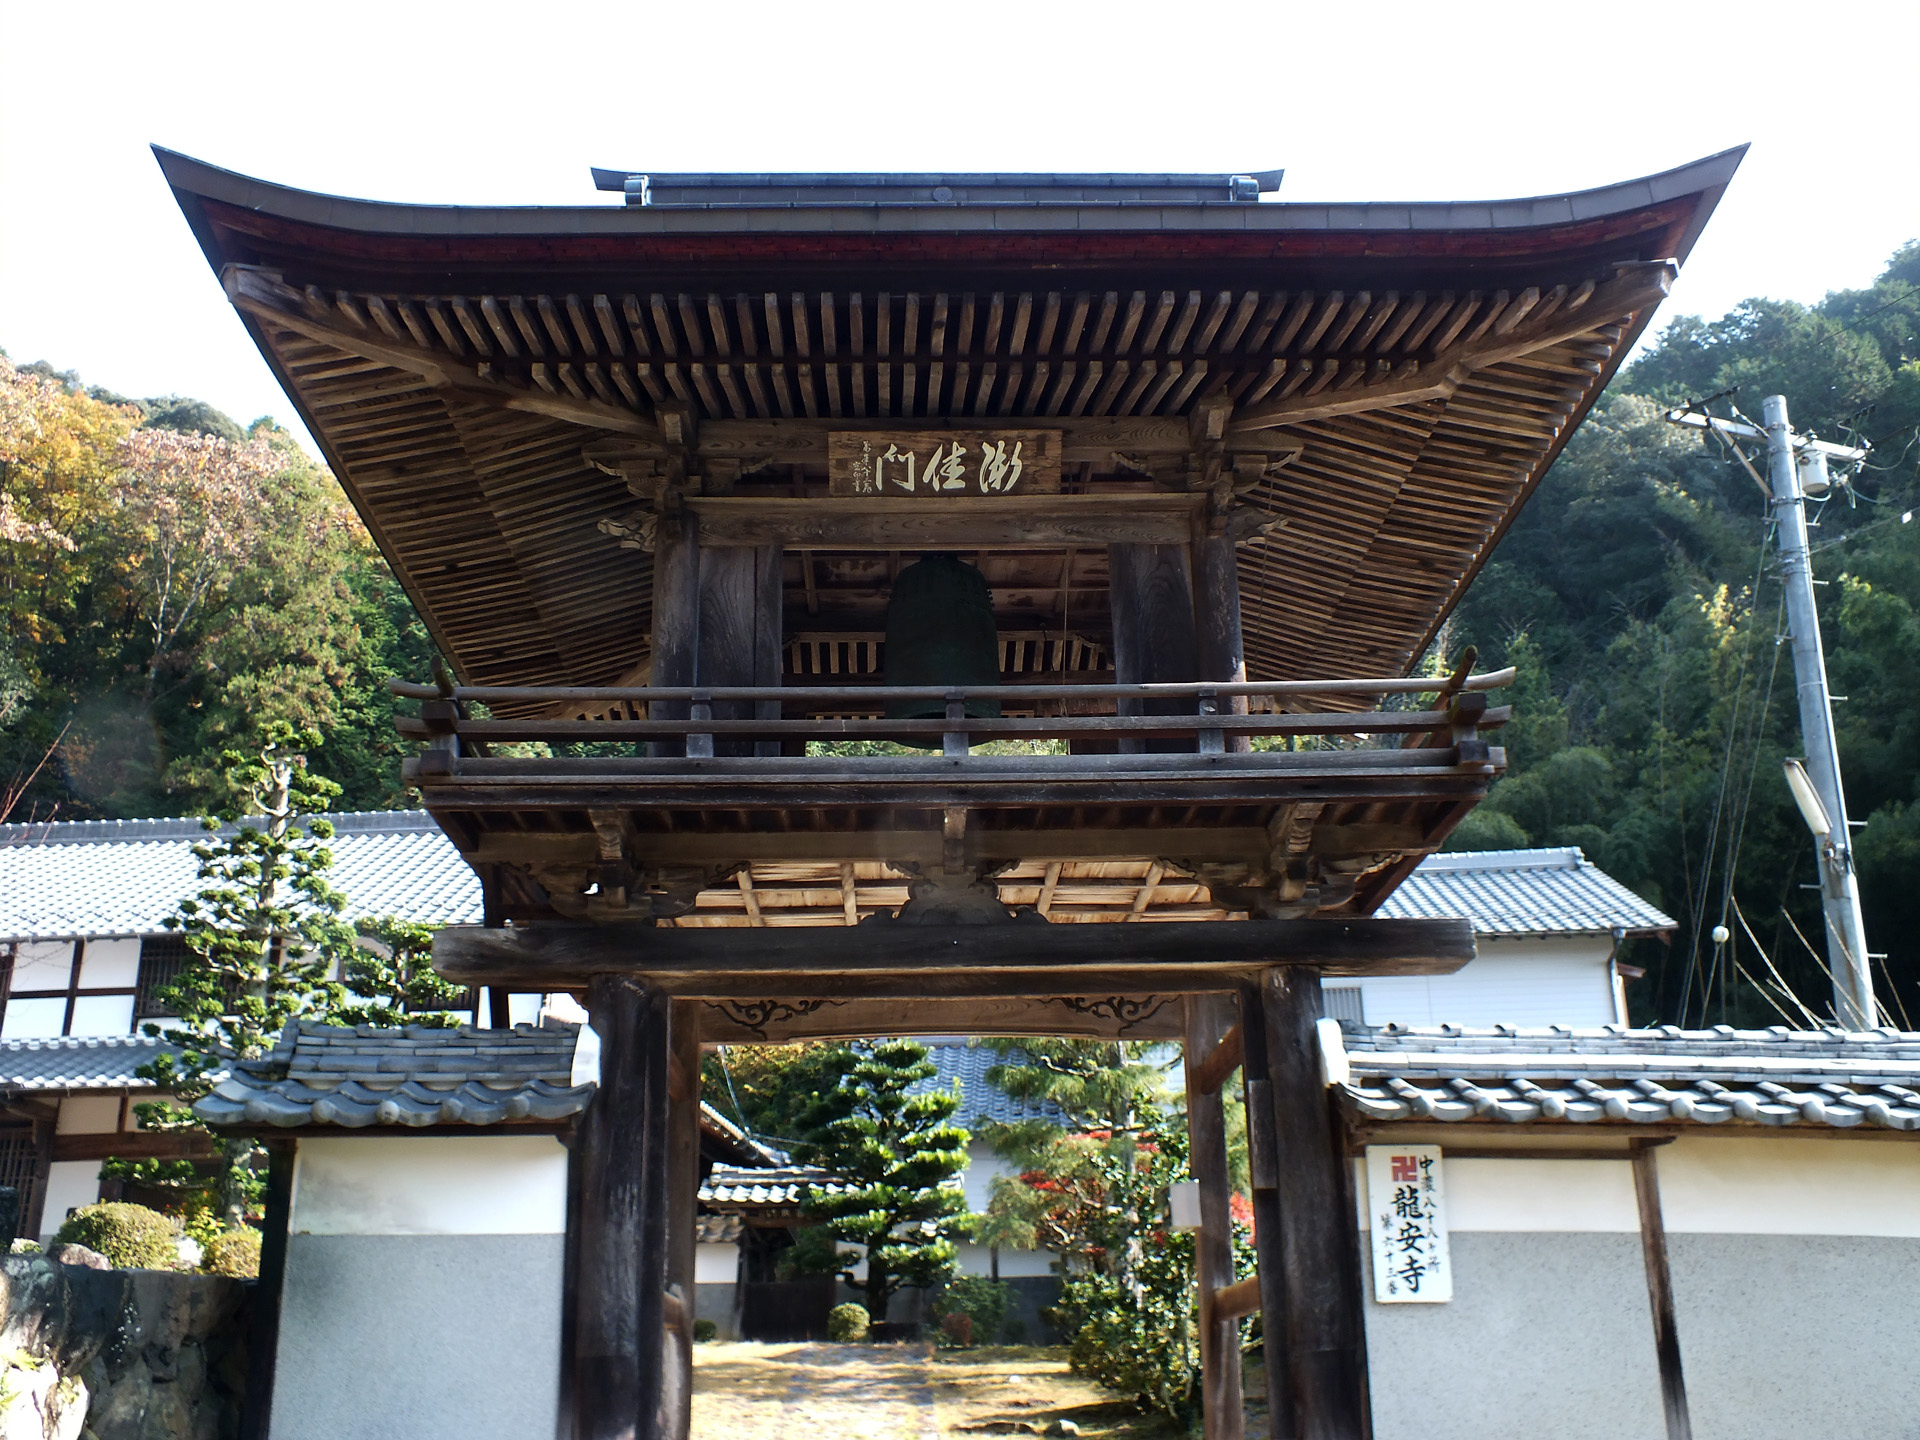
pixel 76 1062
pixel 781 1188
pixel 981 1101
pixel 125 877
pixel 1614 1075
pixel 1554 891
pixel 333 1075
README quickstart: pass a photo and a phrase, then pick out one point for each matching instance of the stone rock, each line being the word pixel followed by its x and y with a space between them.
pixel 39 1404
pixel 131 1355
pixel 71 1254
pixel 1062 1427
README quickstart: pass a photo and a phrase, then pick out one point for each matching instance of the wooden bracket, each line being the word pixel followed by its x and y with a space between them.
pixel 1225 1058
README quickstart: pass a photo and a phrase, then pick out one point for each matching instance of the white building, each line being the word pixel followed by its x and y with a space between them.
pixel 1547 924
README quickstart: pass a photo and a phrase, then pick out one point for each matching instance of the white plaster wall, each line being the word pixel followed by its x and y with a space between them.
pixel 34 1019
pixel 110 963
pixel 70 1184
pixel 102 1015
pixel 983 1166
pixel 1709 1185
pixel 1789 1185
pixel 88 1115
pixel 430 1185
pixel 43 965
pixel 716 1264
pixel 1528 981
pixel 1014 1264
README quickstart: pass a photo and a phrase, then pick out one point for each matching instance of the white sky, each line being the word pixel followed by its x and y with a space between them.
pixel 488 103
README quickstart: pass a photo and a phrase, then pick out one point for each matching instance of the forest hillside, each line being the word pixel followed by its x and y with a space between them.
pixel 169 582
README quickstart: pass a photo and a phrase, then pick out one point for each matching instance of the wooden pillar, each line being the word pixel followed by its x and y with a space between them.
pixel 1269 1254
pixel 1653 1251
pixel 676 617
pixel 740 634
pixel 263 1344
pixel 1216 615
pixel 683 1199
pixel 1153 639
pixel 1320 1317
pixel 619 1390
pixel 769 633
pixel 1208 1018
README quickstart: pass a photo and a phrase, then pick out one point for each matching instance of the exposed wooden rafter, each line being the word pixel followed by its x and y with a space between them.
pixel 1382 386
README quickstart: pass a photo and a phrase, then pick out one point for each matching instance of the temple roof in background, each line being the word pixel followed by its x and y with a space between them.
pixel 125 877
pixel 1548 891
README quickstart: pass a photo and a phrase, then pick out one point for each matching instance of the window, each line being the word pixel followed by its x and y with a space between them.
pixel 83 986
pixel 18 1164
pixel 162 958
pixel 1342 1002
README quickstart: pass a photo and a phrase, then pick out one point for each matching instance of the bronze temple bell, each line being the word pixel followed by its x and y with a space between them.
pixel 940 631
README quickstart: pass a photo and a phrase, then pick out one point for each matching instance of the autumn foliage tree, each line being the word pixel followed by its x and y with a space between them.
pixel 189 512
pixel 168 585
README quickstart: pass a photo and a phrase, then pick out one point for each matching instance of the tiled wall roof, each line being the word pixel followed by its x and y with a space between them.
pixel 782 1188
pixel 361 1076
pixel 1776 1077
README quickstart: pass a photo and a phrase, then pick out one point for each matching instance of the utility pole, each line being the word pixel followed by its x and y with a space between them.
pixel 1796 465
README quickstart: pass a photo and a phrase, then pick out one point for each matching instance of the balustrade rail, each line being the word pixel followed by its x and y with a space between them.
pixel 1210 717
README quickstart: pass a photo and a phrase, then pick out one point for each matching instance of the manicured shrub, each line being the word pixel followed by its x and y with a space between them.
pixel 131 1236
pixel 956 1329
pixel 848 1324
pixel 704 1330
pixel 235 1253
pixel 981 1302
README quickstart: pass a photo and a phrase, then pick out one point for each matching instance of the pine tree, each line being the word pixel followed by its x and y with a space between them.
pixel 390 979
pixel 264 935
pixel 898 1155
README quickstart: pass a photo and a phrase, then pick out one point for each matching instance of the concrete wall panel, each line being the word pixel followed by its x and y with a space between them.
pixel 1783 1337
pixel 1547 1335
pixel 419 1337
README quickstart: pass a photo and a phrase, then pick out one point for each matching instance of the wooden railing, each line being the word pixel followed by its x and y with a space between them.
pixel 689 719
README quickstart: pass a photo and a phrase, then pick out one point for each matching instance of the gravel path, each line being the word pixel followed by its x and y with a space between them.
pixel 815 1392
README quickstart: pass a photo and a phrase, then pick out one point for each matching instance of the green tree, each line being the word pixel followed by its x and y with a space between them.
pixel 390 980
pixel 1127 1297
pixel 898 1156
pixel 264 936
pixel 766 1088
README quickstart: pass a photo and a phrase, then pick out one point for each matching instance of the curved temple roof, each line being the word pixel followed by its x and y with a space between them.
pixel 1394 378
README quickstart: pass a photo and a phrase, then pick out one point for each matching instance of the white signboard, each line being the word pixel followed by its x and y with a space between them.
pixel 1407 1210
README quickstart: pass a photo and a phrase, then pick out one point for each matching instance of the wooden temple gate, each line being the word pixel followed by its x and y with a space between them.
pixel 655 476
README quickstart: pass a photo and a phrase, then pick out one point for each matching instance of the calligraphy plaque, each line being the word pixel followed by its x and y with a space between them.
pixel 952 463
pixel 1407 1216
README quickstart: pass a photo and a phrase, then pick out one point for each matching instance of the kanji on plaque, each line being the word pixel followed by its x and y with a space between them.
pixel 1407 1217
pixel 943 463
